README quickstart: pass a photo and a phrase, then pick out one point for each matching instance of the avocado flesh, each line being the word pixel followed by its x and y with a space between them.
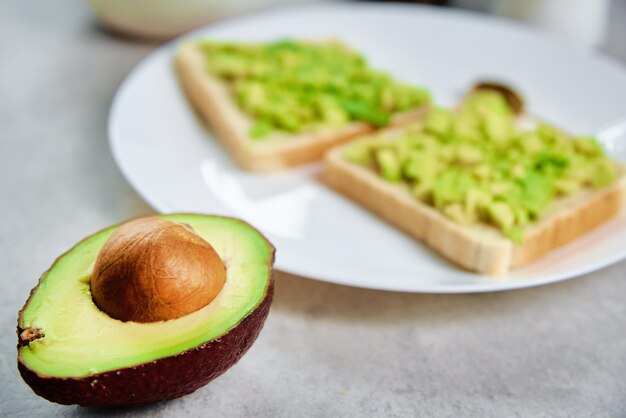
pixel 80 340
pixel 475 165
pixel 292 87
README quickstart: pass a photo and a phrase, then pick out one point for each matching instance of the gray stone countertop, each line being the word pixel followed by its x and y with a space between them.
pixel 326 350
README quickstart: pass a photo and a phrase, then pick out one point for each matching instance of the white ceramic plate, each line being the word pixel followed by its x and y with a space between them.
pixel 176 165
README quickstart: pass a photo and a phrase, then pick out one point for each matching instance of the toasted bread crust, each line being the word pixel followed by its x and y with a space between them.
pixel 213 101
pixel 479 248
pixel 576 216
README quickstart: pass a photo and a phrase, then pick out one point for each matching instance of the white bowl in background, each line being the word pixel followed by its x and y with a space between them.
pixel 164 19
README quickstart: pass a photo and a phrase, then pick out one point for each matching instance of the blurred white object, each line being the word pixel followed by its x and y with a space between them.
pixel 163 19
pixel 583 21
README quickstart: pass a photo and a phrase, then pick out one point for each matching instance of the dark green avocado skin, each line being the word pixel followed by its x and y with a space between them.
pixel 159 380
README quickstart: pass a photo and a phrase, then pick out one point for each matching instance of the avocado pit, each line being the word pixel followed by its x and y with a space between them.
pixel 153 269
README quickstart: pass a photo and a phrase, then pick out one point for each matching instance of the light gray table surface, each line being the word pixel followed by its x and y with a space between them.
pixel 326 350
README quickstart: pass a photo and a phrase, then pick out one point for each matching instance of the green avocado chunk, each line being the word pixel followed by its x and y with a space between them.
pixel 79 341
pixel 475 166
pixel 292 86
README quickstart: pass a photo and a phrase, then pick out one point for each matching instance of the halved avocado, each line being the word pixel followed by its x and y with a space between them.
pixel 77 354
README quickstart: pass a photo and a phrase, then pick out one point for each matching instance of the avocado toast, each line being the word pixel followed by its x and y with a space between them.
pixel 480 187
pixel 285 103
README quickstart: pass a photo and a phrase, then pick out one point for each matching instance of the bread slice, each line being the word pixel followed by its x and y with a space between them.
pixel 481 248
pixel 213 99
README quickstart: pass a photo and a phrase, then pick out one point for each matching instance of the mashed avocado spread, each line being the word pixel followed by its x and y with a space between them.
pixel 476 166
pixel 294 86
